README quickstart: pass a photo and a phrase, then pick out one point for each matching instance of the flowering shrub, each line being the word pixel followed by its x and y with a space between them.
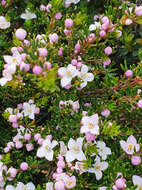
pixel 71 95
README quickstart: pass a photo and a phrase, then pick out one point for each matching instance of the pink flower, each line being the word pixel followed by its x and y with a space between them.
pixel 90 137
pixel 129 73
pixel 27 136
pixel 59 185
pixel 139 104
pixel 24 166
pixel 69 22
pixel 29 147
pixel 58 16
pixel 105 19
pixel 129 145
pixel 70 182
pixel 53 38
pixel 106 62
pixel 102 33
pixel 21 34
pixel 105 113
pixel 43 52
pixel 138 10
pixel 120 183
pixel 37 69
pixel 135 160
pixel 108 50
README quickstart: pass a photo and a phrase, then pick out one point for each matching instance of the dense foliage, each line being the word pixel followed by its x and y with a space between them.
pixel 70 95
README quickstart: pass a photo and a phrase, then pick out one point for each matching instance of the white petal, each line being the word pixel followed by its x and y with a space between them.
pixel 65 81
pixel 54 143
pixel 9 187
pixel 71 143
pixel 3 81
pixel 131 140
pixel 40 152
pixel 70 156
pixel 30 186
pixel 81 156
pixel 84 129
pixel 49 186
pixel 62 71
pixel 7 59
pixel 49 155
pixel 92 27
pixel 23 16
pixel 98 175
pixel 82 85
pixel 90 77
pixel 104 165
pixel 84 69
pixel 46 142
pixel 80 141
pixel 137 180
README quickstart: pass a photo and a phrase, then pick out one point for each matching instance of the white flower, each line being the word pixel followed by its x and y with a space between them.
pixel 10 187
pixel 90 124
pixel 80 166
pixel 63 148
pixel 4 24
pixel 75 150
pixel 2 182
pixel 85 76
pixel 20 131
pixel 46 149
pixel 103 151
pixel 67 74
pixel 29 110
pixel 137 180
pixel 28 15
pixel 49 186
pixel 129 145
pixel 72 1
pixel 102 188
pixel 28 186
pixel 98 168
pixel 95 26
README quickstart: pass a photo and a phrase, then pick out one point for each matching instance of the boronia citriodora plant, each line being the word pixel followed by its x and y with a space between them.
pixel 71 95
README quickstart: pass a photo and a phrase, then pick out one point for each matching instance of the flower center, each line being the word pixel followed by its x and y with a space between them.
pixel 47 148
pixel 90 125
pixel 98 167
pixel 3 24
pixel 24 187
pixel 28 110
pixel 70 182
pixel 68 73
pixel 130 146
pixel 14 60
pixel 76 149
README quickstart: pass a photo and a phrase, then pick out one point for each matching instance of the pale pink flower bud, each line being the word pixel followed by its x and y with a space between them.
pixel 138 10
pixel 27 136
pixel 37 136
pixel 21 34
pixel 129 73
pixel 24 166
pixel 69 22
pixel 37 69
pixel 29 147
pixel 108 50
pixel 43 52
pixel 135 160
pixel 58 16
pixel 102 33
pixel 59 185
